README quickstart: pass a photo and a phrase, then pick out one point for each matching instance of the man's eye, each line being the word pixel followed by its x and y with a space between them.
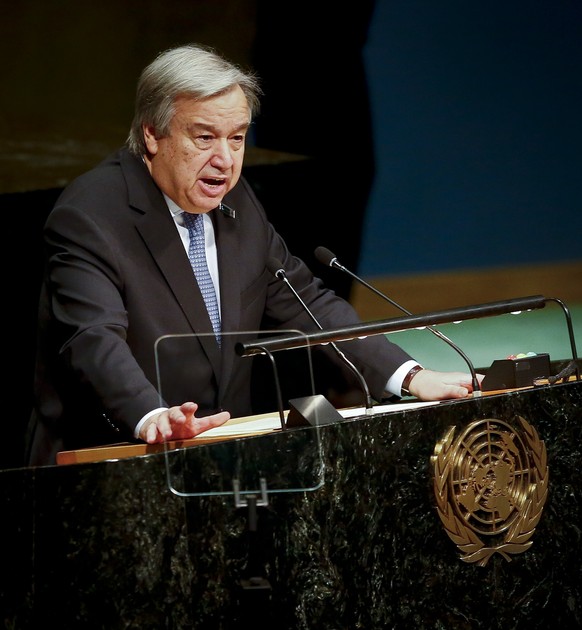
pixel 206 138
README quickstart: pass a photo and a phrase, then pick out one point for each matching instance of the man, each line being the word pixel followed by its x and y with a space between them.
pixel 119 280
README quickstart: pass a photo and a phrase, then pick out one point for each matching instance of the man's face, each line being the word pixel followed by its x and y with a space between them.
pixel 201 159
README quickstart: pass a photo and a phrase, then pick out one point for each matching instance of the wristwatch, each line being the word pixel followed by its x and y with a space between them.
pixel 406 382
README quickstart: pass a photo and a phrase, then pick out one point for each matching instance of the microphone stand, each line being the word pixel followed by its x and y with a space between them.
pixel 335 263
pixel 280 273
pixel 572 367
pixel 277 387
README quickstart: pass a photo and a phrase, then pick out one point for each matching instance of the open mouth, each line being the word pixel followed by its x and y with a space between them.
pixel 212 181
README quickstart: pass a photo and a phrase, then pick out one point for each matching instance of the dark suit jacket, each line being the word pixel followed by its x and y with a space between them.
pixel 120 311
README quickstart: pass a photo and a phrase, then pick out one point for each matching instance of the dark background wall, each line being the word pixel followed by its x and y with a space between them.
pixel 475 115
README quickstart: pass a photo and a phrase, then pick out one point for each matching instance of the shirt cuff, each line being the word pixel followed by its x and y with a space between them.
pixel 144 420
pixel 394 385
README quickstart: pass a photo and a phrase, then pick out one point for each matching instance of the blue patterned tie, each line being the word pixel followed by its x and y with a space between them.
pixel 197 256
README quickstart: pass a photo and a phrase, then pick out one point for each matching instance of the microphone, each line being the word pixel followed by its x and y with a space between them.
pixel 326 257
pixel 276 268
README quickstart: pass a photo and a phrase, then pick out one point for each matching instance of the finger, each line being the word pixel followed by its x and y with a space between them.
pixel 160 429
pixel 177 416
pixel 188 408
pixel 209 422
pixel 152 436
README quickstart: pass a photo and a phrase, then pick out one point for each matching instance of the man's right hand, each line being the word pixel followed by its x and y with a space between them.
pixel 179 423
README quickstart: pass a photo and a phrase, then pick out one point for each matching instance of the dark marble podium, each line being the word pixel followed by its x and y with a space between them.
pixel 350 536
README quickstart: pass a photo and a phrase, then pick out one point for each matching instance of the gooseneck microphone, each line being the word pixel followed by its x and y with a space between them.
pixel 326 257
pixel 276 268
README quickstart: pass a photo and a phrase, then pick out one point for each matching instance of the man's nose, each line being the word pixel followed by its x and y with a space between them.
pixel 222 154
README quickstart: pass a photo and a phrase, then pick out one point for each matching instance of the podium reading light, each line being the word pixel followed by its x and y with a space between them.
pixel 396 324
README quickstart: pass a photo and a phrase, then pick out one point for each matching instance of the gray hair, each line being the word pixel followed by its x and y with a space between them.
pixel 194 70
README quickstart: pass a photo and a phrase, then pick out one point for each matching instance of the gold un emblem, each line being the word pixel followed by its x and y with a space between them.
pixel 490 486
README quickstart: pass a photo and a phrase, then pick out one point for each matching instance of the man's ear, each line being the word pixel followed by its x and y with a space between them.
pixel 151 142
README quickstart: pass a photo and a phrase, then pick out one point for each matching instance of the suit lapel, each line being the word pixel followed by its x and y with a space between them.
pixel 158 231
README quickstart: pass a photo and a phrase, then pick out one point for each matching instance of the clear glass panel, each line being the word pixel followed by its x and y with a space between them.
pixel 236 463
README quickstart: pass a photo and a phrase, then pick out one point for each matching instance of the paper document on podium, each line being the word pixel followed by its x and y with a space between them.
pixel 272 422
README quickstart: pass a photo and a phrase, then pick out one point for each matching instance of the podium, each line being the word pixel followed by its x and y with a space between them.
pixel 110 545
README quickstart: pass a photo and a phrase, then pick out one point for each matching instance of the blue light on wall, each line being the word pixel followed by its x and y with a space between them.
pixel 477 113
